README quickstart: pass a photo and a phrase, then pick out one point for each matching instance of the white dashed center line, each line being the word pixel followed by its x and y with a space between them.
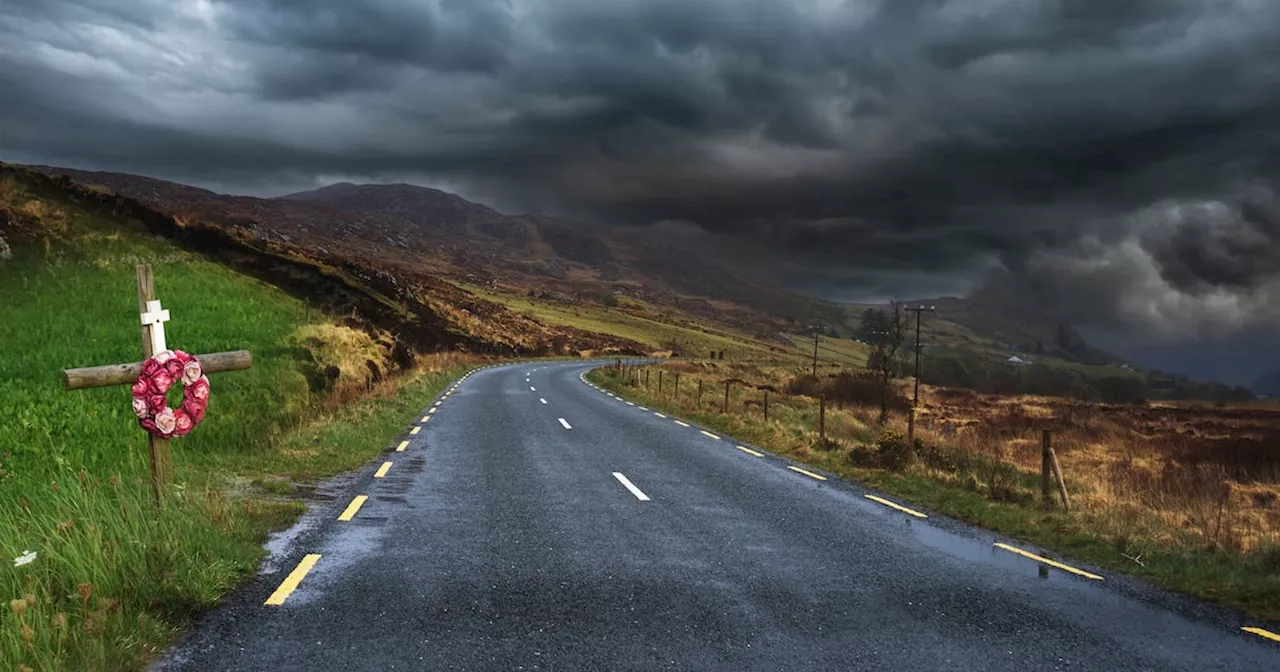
pixel 630 486
pixel 533 389
pixel 542 400
pixel 565 423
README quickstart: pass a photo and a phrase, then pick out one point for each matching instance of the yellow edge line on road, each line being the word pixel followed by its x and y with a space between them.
pixel 892 505
pixel 807 473
pixel 426 418
pixel 415 430
pixel 291 582
pixel 382 471
pixel 1262 633
pixel 749 451
pixel 1047 561
pixel 706 433
pixel 353 507
pixel 682 424
pixel 431 410
pixel 400 448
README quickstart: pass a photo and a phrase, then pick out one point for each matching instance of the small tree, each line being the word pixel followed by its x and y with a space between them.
pixel 885 348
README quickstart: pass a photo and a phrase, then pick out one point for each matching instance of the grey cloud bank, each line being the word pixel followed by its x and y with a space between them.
pixel 1120 158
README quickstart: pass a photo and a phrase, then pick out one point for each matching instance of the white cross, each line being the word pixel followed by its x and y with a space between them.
pixel 156 317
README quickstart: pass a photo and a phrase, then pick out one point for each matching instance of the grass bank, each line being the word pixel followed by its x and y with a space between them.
pixel 92 575
pixel 985 487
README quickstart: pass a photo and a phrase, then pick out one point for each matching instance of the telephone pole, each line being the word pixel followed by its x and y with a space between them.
pixel 816 329
pixel 915 400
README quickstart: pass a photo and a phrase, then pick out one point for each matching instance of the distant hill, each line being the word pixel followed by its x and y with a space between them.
pixel 415 236
pixel 1267 384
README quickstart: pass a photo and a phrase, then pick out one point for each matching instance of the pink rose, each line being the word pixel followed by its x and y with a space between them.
pixel 181 356
pixel 163 357
pixel 147 424
pixel 141 387
pixel 149 368
pixel 200 389
pixel 174 367
pixel 194 410
pixel 140 407
pixel 182 423
pixel 161 382
pixel 165 421
pixel 156 403
pixel 191 372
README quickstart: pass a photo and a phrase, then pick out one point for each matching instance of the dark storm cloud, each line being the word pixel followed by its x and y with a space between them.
pixel 1120 157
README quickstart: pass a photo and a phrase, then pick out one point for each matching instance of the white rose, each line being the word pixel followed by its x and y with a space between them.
pixel 140 407
pixel 191 372
pixel 165 421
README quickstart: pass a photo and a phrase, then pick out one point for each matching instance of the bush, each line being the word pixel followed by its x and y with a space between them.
pixel 894 451
pixel 846 389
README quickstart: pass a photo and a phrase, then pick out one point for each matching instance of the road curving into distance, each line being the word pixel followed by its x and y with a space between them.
pixel 533 521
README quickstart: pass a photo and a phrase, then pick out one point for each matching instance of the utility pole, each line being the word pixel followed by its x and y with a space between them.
pixel 915 400
pixel 816 329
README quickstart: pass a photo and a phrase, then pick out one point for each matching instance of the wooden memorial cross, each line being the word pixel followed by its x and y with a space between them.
pixel 153 317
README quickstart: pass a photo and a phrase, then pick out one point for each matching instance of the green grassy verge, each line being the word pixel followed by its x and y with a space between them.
pixel 113 578
pixel 1250 583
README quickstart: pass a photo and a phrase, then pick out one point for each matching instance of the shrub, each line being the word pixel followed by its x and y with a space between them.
pixel 894 451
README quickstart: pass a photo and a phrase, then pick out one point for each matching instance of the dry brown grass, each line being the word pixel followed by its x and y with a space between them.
pixel 1211 471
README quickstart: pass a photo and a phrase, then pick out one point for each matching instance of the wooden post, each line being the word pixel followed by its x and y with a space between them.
pixel 659 383
pixel 726 397
pixel 822 416
pixel 766 405
pixel 699 393
pixel 676 392
pixel 1045 462
pixel 157 448
pixel 125 374
pixel 646 379
pixel 1062 485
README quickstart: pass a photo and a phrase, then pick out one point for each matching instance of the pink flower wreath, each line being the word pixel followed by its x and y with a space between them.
pixel 158 375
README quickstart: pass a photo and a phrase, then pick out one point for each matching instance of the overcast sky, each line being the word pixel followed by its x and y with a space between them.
pixel 1120 158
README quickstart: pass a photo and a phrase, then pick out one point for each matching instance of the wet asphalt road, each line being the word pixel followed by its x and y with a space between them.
pixel 502 540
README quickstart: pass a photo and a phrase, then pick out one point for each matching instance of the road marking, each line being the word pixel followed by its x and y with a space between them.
pixel 414 431
pixel 425 418
pixel 630 486
pixel 353 507
pixel 437 404
pixel 682 424
pixel 631 403
pixel 382 471
pixel 291 582
pixel 709 434
pixel 1047 561
pixel 542 400
pixel 749 451
pixel 810 474
pixel 533 389
pixel 642 408
pixel 659 415
pixel 431 410
pixel 892 505
pixel 1262 633
pixel 400 448
pixel 564 422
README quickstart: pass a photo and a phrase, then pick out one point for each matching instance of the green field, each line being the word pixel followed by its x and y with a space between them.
pixel 113 578
pixel 693 339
